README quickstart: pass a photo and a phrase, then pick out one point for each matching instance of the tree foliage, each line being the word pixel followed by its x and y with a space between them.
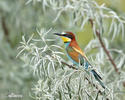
pixel 41 57
pixel 59 82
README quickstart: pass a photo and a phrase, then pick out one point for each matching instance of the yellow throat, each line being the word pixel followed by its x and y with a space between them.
pixel 65 39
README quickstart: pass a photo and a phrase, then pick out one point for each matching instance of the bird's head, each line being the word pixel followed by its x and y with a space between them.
pixel 66 36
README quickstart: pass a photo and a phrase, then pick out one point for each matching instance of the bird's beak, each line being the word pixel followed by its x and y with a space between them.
pixel 58 34
pixel 64 38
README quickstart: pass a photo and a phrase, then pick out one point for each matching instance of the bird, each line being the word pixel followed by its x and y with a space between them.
pixel 76 55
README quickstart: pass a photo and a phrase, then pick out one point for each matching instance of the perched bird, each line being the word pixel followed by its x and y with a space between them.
pixel 76 55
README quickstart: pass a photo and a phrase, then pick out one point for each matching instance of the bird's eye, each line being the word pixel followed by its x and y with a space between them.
pixel 69 36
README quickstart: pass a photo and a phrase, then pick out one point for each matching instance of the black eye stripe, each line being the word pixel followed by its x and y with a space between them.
pixel 68 35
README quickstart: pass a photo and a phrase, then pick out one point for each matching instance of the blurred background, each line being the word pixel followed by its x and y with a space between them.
pixel 18 18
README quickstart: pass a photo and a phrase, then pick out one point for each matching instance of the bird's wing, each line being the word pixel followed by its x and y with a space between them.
pixel 77 56
pixel 80 52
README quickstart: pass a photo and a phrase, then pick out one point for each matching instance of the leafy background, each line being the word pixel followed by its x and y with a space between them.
pixel 17 18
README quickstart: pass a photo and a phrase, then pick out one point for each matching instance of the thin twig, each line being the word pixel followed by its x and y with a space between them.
pixel 106 51
pixel 5 29
pixel 103 46
pixel 91 83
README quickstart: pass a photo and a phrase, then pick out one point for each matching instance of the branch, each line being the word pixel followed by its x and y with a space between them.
pixel 103 46
pixel 70 66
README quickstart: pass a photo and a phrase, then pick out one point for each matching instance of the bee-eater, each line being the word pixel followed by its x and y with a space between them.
pixel 76 55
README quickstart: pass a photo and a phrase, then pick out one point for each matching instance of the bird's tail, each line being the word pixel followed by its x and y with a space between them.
pixel 98 78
